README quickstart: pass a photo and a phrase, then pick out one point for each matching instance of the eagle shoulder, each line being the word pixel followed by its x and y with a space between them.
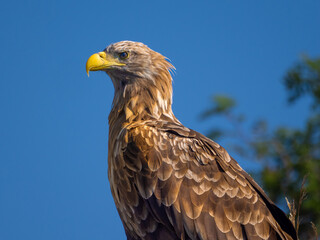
pixel 191 185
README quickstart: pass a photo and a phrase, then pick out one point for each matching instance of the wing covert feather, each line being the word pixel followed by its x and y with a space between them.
pixel 193 188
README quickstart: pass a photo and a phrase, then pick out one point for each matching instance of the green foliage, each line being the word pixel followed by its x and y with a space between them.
pixel 288 156
pixel 304 79
pixel 221 104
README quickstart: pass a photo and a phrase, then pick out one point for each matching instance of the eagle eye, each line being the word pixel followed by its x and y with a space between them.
pixel 123 55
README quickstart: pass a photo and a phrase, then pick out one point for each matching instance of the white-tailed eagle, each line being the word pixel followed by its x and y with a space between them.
pixel 168 181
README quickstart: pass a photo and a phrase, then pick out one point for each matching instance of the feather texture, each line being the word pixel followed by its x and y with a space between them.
pixel 195 200
pixel 168 181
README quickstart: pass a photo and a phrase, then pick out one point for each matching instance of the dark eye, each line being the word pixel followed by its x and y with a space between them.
pixel 123 55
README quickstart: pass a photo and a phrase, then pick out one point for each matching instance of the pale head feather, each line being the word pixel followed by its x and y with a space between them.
pixel 143 86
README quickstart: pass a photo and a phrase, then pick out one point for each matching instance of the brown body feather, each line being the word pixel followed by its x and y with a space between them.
pixel 170 182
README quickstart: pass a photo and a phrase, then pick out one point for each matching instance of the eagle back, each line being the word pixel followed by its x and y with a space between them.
pixel 170 182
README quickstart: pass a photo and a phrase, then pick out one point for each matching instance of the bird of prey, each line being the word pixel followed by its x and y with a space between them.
pixel 170 182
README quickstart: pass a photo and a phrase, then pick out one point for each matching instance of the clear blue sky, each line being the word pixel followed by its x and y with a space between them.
pixel 53 146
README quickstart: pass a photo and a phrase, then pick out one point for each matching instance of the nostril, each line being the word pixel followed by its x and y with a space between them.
pixel 102 54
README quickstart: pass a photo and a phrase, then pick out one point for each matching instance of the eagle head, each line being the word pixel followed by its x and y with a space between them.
pixel 141 78
pixel 129 61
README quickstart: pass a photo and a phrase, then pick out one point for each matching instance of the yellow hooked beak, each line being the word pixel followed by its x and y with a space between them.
pixel 101 61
